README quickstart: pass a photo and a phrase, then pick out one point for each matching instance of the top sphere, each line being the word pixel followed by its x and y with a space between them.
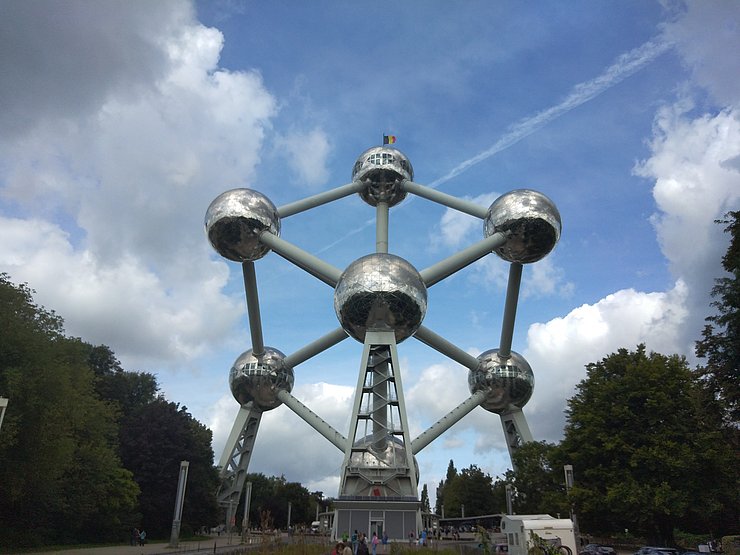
pixel 532 220
pixel 508 381
pixel 382 169
pixel 258 379
pixel 234 221
pixel 380 291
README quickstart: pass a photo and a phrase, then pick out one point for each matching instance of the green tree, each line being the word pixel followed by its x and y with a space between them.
pixel 471 488
pixel 425 499
pixel 60 476
pixel 155 438
pixel 638 447
pixel 477 491
pixel 538 482
pixel 720 343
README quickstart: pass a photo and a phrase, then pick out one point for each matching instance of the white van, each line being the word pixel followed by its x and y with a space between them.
pixel 520 532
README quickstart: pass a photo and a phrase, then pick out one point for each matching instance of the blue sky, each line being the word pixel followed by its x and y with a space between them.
pixel 122 121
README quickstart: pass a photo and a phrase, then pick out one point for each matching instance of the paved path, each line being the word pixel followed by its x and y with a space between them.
pixel 222 544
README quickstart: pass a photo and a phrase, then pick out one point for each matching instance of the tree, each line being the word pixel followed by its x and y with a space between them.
pixel 60 476
pixel 538 481
pixel 639 448
pixel 155 438
pixel 720 343
pixel 425 499
pixel 471 489
pixel 477 491
pixel 449 477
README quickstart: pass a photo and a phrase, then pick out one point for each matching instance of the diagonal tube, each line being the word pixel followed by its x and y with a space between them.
pixel 452 264
pixel 447 421
pixel 316 347
pixel 444 199
pixel 253 308
pixel 313 420
pixel 440 344
pixel 322 198
pixel 512 298
pixel 313 265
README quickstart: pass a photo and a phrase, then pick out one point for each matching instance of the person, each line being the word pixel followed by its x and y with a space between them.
pixel 142 537
pixel 423 537
pixel 134 536
pixel 362 546
pixel 385 538
pixel 375 541
pixel 355 540
pixel 411 537
pixel 337 549
pixel 347 549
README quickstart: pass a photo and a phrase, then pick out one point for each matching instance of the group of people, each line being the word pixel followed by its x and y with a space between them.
pixel 138 537
pixel 358 545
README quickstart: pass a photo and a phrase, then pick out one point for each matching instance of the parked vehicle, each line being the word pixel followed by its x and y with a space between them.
pixel 598 549
pixel 524 531
pixel 650 550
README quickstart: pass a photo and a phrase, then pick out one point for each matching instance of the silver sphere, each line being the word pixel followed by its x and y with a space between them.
pixel 259 379
pixel 532 219
pixel 234 220
pixel 509 382
pixel 389 452
pixel 380 292
pixel 382 169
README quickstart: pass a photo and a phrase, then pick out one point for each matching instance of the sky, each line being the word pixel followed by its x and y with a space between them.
pixel 121 121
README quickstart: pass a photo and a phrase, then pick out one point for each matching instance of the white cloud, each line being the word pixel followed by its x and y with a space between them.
pixel 123 304
pixel 559 349
pixel 128 171
pixel 456 228
pixel 707 36
pixel 318 466
pixel 307 154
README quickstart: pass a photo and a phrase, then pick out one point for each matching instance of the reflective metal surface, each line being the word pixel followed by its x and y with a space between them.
pixel 392 455
pixel 380 291
pixel 259 379
pixel 234 220
pixel 382 169
pixel 532 219
pixel 510 382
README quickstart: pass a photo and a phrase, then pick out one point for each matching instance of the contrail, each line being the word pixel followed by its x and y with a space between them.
pixel 626 65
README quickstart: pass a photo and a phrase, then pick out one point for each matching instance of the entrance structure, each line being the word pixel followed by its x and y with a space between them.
pixel 380 300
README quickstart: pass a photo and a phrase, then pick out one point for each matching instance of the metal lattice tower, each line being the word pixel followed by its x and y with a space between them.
pixel 380 300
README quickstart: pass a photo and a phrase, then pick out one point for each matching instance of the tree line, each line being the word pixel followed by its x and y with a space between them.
pixel 88 450
pixel 654 444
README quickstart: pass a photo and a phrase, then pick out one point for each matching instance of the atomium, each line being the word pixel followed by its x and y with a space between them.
pixel 382 169
pixel 380 291
pixel 533 223
pixel 259 379
pixel 234 221
pixel 508 381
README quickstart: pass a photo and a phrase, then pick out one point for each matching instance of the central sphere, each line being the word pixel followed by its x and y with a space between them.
pixel 508 381
pixel 380 292
pixel 259 379
pixel 382 169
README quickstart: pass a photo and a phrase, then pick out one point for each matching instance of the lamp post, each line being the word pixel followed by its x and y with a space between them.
pixel 3 406
pixel 509 496
pixel 179 499
pixel 568 468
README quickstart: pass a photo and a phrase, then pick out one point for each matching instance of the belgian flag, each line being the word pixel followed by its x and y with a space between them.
pixel 389 139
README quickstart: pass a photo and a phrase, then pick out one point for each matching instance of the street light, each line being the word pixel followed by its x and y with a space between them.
pixel 568 468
